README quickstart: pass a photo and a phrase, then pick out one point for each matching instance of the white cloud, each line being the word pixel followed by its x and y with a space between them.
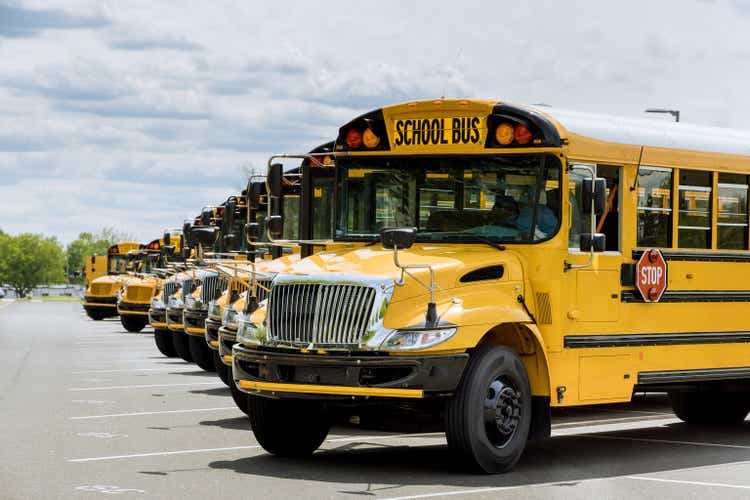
pixel 135 114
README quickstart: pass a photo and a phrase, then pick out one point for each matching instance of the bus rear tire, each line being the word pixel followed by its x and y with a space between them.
pixel 181 347
pixel 487 421
pixel 163 339
pixel 200 352
pixel 133 324
pixel 711 407
pixel 240 398
pixel 287 427
pixel 223 371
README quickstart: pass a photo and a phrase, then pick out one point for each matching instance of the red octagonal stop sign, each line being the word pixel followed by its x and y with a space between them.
pixel 651 275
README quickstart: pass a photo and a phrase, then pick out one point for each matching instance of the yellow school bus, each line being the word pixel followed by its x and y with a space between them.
pixel 500 278
pixel 100 299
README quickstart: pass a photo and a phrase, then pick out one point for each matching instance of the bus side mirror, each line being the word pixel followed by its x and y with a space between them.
pixel 275 226
pixel 186 253
pixel 206 216
pixel 596 193
pixel 229 240
pixel 229 211
pixel 252 231
pixel 275 174
pixel 168 250
pixel 206 236
pixel 399 238
pixel 167 238
pixel 254 194
pixel 593 242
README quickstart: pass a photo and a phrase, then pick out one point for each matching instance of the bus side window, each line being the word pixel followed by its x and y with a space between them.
pixel 654 207
pixel 694 223
pixel 732 220
pixel 607 223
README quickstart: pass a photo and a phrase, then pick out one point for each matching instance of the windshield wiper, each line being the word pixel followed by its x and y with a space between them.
pixel 493 244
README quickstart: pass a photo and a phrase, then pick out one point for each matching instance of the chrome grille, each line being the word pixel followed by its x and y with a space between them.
pixel 262 289
pixel 170 288
pixel 321 314
pixel 212 287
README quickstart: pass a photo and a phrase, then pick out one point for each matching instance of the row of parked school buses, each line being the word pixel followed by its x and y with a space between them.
pixel 462 264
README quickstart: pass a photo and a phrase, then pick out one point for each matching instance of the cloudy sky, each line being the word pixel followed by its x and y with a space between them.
pixel 135 114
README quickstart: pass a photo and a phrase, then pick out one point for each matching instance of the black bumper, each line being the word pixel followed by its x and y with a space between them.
pixel 157 316
pixel 194 318
pixel 227 339
pixel 435 375
pixel 212 332
pixel 126 307
pixel 174 319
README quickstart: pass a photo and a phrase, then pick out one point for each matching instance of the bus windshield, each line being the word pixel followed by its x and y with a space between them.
pixel 511 198
pixel 116 263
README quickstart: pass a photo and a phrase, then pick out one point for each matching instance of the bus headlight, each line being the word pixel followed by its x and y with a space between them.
pixel 190 302
pixel 230 318
pixel 174 302
pixel 157 303
pixel 214 310
pixel 249 333
pixel 407 340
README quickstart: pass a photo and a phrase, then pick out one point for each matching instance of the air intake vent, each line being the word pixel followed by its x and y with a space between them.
pixel 543 309
pixel 483 274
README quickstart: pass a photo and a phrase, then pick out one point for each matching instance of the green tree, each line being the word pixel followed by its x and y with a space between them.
pixel 90 244
pixel 29 260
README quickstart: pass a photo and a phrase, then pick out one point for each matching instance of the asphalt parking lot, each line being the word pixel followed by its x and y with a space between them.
pixel 89 410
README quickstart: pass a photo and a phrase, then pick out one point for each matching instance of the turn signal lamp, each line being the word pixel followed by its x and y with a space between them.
pixel 354 138
pixel 370 139
pixel 327 161
pixel 504 134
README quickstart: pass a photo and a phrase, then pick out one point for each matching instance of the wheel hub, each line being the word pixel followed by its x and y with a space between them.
pixel 502 411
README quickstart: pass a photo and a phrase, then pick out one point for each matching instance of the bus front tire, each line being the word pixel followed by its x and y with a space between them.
pixel 163 339
pixel 223 371
pixel 133 324
pixel 181 347
pixel 239 397
pixel 287 427
pixel 200 352
pixel 487 421
pixel 710 407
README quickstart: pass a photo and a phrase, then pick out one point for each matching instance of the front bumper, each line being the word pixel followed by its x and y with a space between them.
pixel 194 321
pixel 227 339
pixel 284 374
pixel 133 308
pixel 212 333
pixel 94 302
pixel 157 318
pixel 174 319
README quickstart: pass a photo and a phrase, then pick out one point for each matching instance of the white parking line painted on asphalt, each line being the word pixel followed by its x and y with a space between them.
pixel 253 447
pixel 671 441
pixel 690 483
pixel 624 426
pixel 217 383
pixel 573 423
pixel 163 412
pixel 125 370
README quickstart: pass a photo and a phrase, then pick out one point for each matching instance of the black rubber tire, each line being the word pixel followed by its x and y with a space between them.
pixel 288 427
pixel 465 426
pixel 132 323
pixel 710 407
pixel 163 339
pixel 240 398
pixel 223 371
pixel 95 315
pixel 200 352
pixel 181 347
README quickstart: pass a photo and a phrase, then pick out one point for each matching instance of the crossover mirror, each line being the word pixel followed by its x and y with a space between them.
pixel 229 212
pixel 275 175
pixel 275 226
pixel 596 193
pixel 168 250
pixel 252 231
pixel 167 238
pixel 593 242
pixel 399 238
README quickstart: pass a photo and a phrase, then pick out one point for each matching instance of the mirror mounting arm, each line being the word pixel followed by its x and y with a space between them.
pixel 431 316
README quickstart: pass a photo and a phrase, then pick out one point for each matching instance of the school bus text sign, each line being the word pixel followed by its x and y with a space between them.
pixel 651 275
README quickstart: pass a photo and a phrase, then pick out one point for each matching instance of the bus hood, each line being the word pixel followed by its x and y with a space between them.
pixel 450 262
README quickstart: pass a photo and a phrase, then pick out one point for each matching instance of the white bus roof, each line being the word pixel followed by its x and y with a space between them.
pixel 650 132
